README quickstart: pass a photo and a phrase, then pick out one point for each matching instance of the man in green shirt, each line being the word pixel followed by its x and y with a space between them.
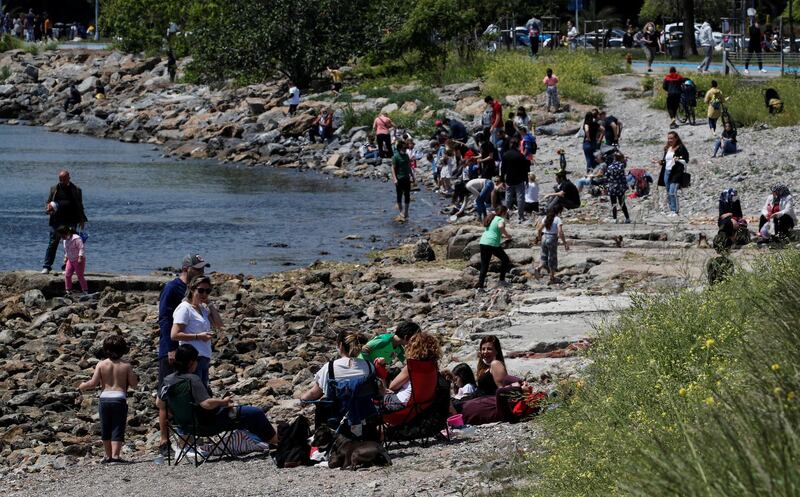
pixel 387 349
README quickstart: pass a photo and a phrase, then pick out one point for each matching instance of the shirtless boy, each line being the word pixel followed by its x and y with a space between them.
pixel 116 377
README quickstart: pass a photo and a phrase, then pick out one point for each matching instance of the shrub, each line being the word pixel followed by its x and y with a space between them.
pixel 578 73
pixel 5 72
pixel 690 394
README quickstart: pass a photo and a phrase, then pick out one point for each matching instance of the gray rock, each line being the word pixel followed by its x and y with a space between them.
pixel 34 298
pixel 7 90
pixel 423 251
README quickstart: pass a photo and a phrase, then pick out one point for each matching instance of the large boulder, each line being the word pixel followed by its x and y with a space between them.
pixel 296 125
pixel 87 85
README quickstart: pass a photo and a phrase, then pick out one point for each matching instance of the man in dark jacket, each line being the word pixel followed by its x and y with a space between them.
pixel 753 45
pixel 672 85
pixel 458 131
pixel 515 173
pixel 65 208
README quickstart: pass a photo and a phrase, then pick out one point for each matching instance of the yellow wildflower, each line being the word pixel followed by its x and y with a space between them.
pixel 709 401
pixel 777 391
pixel 776 367
pixel 790 396
pixel 710 342
pixel 682 392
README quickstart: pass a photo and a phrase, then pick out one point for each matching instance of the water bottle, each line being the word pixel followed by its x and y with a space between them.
pixel 159 460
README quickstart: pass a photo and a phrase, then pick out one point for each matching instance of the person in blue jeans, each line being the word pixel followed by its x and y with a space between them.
pixel 672 168
pixel 482 189
pixel 591 130
pixel 727 141
pixel 221 413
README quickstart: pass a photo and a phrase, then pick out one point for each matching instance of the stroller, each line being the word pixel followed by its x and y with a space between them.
pixel 773 101
pixel 688 101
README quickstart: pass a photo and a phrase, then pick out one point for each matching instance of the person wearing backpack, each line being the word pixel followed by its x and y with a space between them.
pixel 714 101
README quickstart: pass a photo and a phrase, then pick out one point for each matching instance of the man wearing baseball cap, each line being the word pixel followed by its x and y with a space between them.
pixel 171 296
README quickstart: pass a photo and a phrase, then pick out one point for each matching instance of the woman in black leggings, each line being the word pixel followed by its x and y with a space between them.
pixel 491 244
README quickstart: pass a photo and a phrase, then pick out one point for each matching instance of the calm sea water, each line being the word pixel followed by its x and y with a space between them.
pixel 146 212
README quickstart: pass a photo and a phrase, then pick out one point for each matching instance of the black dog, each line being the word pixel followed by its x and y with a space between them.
pixel 346 453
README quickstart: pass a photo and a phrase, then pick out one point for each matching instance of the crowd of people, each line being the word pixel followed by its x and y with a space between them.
pixel 33 27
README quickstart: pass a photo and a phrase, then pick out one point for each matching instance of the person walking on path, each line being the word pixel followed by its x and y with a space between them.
pixel 402 177
pixel 382 127
pixel 65 208
pixel 650 44
pixel 572 36
pixel 706 40
pixel 754 45
pixel 514 175
pixel 714 99
pixel 548 232
pixel 672 85
pixel 491 244
pixel 672 169
pixel 74 258
pixel 551 88
pixel 170 298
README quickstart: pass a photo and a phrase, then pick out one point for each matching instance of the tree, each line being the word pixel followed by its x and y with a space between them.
pixel 141 25
pixel 689 45
pixel 297 38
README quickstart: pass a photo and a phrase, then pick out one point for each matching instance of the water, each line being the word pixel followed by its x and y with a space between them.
pixel 146 212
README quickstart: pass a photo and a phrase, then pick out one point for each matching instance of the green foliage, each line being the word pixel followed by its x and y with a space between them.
pixel 690 394
pixel 8 42
pixel 710 10
pixel 5 72
pixel 578 74
pixel 141 25
pixel 746 104
pixel 297 38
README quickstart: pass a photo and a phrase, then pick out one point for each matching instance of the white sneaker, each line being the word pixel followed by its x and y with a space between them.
pixel 45 270
pixel 672 214
pixel 746 71
pixel 763 70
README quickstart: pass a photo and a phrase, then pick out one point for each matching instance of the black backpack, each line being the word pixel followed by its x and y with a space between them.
pixel 293 448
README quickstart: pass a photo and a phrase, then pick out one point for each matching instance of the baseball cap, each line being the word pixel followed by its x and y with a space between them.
pixel 195 261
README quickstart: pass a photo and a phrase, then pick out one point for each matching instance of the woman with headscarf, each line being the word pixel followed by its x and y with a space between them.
pixel 731 220
pixel 779 208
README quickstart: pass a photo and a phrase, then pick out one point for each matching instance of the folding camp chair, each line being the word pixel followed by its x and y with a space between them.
pixel 425 415
pixel 190 424
pixel 349 402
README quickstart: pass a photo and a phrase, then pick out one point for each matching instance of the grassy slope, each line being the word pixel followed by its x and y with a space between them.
pixel 690 394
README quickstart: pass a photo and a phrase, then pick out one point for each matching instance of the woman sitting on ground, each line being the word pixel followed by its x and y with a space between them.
pixel 730 219
pixel 491 366
pixel 218 412
pixel 421 347
pixel 779 208
pixel 727 141
pixel 347 366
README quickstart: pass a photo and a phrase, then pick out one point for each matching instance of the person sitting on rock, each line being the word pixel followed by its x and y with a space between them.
pixel 99 90
pixel 726 141
pixel 566 194
pixel 321 127
pixel 73 97
pixel 731 220
pixel 421 347
pixel 388 349
pixel 778 209
pixel 221 413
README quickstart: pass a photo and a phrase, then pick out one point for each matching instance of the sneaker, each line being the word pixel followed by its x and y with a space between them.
pixel 746 71
pixel 672 214
pixel 763 70
pixel 165 449
pixel 628 221
pixel 45 270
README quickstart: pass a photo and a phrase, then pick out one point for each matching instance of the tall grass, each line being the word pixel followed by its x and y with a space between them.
pixel 746 105
pixel 690 394
pixel 8 42
pixel 579 74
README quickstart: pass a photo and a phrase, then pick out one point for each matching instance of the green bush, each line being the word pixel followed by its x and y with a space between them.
pixel 746 104
pixel 5 72
pixel 578 73
pixel 690 394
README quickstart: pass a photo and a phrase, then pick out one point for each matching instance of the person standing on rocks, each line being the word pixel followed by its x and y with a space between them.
pixel 382 127
pixel 591 133
pixel 294 98
pixel 172 65
pixel 73 97
pixel 321 127
pixel 193 320
pixel 116 377
pixel 170 298
pixel 74 258
pixel 612 128
pixel 514 175
pixel 491 244
pixel 617 183
pixel 402 177
pixel 672 169
pixel 550 82
pixel 336 80
pixel 672 85
pixel 496 123
pixel 65 208
pixel 549 231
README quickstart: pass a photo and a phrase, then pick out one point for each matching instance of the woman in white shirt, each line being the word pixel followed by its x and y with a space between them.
pixel 193 320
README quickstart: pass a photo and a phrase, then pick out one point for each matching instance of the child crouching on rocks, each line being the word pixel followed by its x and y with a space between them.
pixel 116 377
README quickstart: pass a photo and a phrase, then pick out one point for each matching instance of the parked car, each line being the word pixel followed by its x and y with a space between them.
pixel 595 38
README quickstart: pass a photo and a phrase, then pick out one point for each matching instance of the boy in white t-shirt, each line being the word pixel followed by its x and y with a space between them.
pixel 531 195
pixel 294 98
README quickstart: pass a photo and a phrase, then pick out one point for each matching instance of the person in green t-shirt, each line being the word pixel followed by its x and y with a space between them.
pixel 491 244
pixel 402 176
pixel 387 349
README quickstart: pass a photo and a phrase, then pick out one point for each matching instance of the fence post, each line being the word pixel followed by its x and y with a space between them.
pixel 780 42
pixel 725 61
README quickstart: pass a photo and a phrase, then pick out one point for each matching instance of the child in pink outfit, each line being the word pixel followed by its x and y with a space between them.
pixel 551 86
pixel 74 257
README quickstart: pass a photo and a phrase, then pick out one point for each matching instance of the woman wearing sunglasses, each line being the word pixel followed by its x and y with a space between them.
pixel 193 320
